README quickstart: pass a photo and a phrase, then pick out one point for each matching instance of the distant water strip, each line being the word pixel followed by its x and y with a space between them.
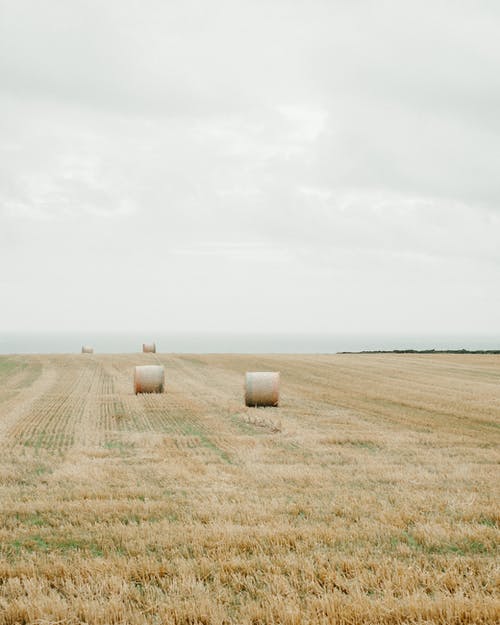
pixel 196 343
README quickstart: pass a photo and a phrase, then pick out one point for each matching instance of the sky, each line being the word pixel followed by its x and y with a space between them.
pixel 250 166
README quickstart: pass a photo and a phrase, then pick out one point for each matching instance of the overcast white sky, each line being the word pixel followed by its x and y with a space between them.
pixel 291 165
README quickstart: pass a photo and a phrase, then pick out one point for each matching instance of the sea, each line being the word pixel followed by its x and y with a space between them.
pixel 206 342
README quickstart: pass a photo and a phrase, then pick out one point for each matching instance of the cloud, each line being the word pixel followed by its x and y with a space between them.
pixel 324 150
pixel 237 251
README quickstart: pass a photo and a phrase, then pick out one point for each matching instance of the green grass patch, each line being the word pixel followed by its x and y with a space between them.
pixel 124 447
pixel 463 548
pixel 488 521
pixel 73 544
pixel 190 430
pixel 42 470
pixel 30 544
pixel 133 519
pixel 37 543
pixel 118 409
pixel 8 367
pixel 35 520
pixel 49 440
pixel 359 443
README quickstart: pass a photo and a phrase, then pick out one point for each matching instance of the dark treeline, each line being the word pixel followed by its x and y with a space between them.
pixel 426 351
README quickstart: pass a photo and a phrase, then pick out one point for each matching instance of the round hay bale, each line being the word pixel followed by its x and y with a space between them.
pixel 149 379
pixel 262 388
pixel 86 349
pixel 149 348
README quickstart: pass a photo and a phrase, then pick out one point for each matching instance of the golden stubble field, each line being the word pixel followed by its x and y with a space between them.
pixel 370 496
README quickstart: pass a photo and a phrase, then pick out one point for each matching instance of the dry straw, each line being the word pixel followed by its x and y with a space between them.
pixel 149 379
pixel 262 388
pixel 86 349
pixel 149 348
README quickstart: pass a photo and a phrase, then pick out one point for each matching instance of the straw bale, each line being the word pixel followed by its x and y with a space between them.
pixel 149 379
pixel 262 388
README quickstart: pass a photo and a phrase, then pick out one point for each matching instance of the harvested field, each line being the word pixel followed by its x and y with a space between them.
pixel 370 496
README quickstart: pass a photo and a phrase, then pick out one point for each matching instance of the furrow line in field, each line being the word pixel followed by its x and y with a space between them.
pixel 87 430
pixel 15 410
pixel 51 422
